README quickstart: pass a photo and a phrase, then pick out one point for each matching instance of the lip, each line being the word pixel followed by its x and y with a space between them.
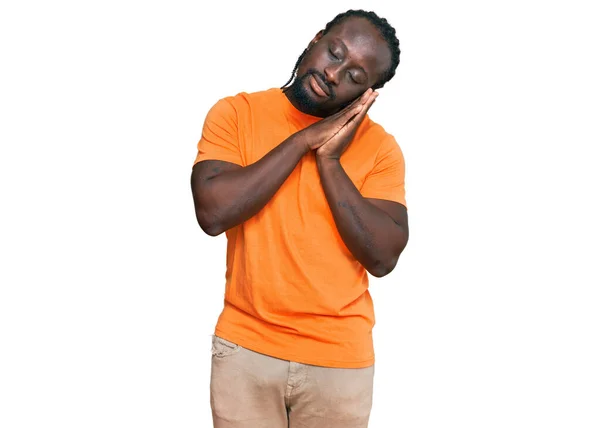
pixel 318 87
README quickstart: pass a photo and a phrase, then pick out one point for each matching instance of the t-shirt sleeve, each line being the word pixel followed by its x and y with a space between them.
pixel 386 179
pixel 219 139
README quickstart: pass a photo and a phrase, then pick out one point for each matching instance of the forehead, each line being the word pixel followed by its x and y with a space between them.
pixel 365 43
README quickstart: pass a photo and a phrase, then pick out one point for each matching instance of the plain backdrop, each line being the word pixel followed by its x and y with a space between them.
pixel 110 291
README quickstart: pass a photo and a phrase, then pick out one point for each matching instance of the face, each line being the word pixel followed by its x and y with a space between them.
pixel 339 67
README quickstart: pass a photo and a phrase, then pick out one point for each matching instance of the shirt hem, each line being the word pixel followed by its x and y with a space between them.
pixel 295 358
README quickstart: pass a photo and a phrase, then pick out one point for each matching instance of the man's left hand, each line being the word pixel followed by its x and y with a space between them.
pixel 334 148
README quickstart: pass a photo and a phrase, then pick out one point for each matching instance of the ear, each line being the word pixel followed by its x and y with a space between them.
pixel 315 39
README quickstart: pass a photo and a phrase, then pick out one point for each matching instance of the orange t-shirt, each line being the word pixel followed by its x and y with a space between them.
pixel 293 290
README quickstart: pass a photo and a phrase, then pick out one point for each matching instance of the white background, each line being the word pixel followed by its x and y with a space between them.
pixel 110 291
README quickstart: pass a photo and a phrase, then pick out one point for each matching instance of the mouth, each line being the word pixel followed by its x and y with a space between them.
pixel 318 86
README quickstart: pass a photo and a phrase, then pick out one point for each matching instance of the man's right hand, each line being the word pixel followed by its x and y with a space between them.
pixel 317 134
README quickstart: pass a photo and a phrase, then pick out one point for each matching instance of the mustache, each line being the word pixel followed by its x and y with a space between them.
pixel 323 79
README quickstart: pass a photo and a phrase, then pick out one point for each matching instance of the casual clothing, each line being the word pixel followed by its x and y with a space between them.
pixel 252 390
pixel 293 289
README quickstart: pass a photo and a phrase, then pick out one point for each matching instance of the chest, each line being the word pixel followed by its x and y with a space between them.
pixel 263 131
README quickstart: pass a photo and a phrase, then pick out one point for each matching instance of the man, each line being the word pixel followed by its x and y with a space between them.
pixel 310 193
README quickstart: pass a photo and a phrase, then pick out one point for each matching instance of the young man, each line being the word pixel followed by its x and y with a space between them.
pixel 310 193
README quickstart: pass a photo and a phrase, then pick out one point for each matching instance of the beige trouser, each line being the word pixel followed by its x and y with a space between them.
pixel 252 390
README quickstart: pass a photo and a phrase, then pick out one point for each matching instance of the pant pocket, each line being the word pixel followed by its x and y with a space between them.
pixel 222 348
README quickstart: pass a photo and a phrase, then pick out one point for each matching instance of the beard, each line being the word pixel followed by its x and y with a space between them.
pixel 301 94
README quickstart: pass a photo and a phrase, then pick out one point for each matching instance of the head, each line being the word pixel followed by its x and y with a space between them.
pixel 357 50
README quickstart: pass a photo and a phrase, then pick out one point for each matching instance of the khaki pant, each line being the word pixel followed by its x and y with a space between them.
pixel 252 390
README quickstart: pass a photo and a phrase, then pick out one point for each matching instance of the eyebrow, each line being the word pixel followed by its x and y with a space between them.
pixel 345 49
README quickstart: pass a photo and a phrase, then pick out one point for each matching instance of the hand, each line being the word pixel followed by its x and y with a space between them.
pixel 324 130
pixel 337 144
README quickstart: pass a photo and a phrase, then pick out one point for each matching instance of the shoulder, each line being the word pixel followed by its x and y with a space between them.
pixel 242 103
pixel 245 99
pixel 375 136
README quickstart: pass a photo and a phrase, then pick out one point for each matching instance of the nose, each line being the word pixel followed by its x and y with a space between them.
pixel 332 74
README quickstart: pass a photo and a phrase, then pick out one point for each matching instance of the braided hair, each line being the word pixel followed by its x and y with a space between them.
pixel 385 29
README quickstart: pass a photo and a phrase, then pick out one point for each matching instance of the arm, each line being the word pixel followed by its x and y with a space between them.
pixel 226 194
pixel 374 230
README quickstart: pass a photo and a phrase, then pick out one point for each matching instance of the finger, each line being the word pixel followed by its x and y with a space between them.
pixel 359 116
pixel 360 110
pixel 364 97
pixel 371 99
pixel 353 108
pixel 352 112
pixel 359 100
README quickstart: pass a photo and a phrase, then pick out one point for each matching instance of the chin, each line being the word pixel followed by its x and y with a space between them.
pixel 304 95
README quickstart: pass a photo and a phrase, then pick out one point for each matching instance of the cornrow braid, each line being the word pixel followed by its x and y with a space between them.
pixel 295 68
pixel 385 29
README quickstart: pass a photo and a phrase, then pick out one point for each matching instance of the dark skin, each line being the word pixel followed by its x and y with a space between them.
pixel 351 56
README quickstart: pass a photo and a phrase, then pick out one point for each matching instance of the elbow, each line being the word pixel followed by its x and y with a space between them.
pixel 211 230
pixel 378 273
pixel 209 226
pixel 386 264
pixel 206 209
pixel 381 269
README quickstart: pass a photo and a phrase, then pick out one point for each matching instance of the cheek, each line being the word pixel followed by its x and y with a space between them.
pixel 346 95
pixel 346 101
pixel 315 58
pixel 344 98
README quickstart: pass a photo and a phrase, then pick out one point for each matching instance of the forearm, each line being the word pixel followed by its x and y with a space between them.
pixel 370 234
pixel 230 198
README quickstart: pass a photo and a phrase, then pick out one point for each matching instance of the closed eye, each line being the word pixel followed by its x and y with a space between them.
pixel 332 55
pixel 353 79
